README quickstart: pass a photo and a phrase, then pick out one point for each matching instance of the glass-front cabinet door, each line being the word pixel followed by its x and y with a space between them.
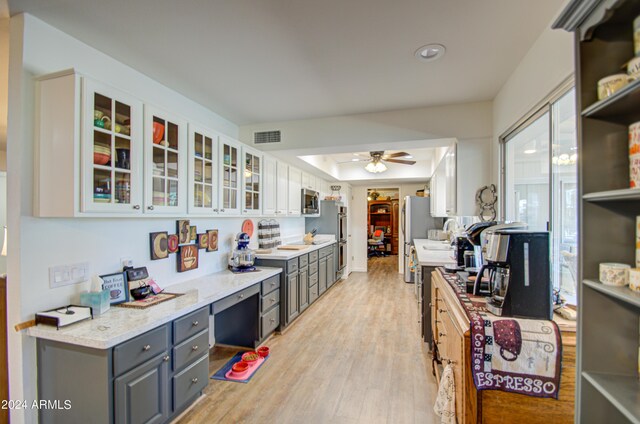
pixel 165 163
pixel 252 182
pixel 203 167
pixel 230 168
pixel 111 150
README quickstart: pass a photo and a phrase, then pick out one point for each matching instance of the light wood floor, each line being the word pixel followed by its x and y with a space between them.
pixel 354 356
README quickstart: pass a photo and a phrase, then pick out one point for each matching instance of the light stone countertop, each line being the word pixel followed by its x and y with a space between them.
pixel 431 253
pixel 121 324
pixel 290 254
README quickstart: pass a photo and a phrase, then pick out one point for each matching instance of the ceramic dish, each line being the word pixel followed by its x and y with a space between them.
pixel 263 351
pixel 101 159
pixel 614 274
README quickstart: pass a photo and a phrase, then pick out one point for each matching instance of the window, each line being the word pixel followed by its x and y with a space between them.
pixel 539 178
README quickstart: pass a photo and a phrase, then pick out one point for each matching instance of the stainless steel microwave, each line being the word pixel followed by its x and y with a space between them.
pixel 310 202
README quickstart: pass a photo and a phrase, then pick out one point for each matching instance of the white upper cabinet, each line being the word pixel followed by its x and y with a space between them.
pixel 269 186
pixel 112 150
pixel 203 180
pixel 165 151
pixel 309 181
pixel 252 176
pixel 282 189
pixel 230 168
pixel 295 192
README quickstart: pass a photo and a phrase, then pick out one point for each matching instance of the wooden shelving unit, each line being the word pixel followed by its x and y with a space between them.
pixel 384 213
pixel 608 389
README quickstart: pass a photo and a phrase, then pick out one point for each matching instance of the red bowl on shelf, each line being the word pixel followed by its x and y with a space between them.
pixel 158 132
pixel 240 367
pixel 250 357
pixel 263 351
pixel 101 158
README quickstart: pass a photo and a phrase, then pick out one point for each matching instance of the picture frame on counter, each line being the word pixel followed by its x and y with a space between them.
pixel 117 286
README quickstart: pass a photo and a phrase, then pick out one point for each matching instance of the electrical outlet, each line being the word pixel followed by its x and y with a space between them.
pixel 126 261
pixel 64 275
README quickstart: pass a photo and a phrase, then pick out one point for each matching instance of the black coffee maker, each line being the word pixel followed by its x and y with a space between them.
pixel 461 244
pixel 519 277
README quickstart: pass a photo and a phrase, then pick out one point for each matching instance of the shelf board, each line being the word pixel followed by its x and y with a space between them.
pixel 620 107
pixel 625 194
pixel 621 293
pixel 380 213
pixel 621 391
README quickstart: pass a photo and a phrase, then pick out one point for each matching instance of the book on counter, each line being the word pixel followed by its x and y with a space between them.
pixel 64 316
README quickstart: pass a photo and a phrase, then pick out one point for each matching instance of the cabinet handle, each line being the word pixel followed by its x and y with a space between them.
pixel 273 284
pixel 431 304
pixel 272 320
pixel 244 210
pixel 194 347
pixel 241 296
pixel 441 334
pixel 221 210
pixel 442 311
pixel 166 358
pixel 150 207
pixel 136 207
pixel 195 323
pixel 215 210
pixel 146 347
pixel 194 380
pixel 272 300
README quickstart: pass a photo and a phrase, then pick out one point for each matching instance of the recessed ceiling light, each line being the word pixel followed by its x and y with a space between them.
pixel 408 157
pixel 430 52
pixel 529 152
pixel 355 160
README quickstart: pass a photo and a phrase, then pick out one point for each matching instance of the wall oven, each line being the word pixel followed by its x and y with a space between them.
pixel 310 202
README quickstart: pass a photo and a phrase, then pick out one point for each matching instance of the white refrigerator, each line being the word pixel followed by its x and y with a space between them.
pixel 416 221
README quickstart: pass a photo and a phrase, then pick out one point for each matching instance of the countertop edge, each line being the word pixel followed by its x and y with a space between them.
pixel 290 254
pixel 50 333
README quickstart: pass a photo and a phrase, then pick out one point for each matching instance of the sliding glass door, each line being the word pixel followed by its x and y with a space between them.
pixel 540 183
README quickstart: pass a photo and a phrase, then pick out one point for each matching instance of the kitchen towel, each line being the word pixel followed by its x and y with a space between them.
pixel 511 354
pixel 445 406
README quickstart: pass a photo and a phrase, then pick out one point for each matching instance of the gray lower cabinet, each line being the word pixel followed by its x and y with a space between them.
pixel 303 289
pixel 142 394
pixel 270 306
pixel 292 287
pixel 322 275
pixel 304 279
pixel 150 378
pixel 331 273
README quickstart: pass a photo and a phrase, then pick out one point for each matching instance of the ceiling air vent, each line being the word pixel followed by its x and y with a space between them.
pixel 265 137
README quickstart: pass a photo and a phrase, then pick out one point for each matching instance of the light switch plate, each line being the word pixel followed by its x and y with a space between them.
pixel 64 275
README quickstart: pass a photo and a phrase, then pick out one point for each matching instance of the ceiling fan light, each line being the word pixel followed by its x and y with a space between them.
pixel 375 167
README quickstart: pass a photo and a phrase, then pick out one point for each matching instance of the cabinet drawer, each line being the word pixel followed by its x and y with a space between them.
pixel 303 261
pixel 270 321
pixel 190 382
pixel 292 265
pixel 142 348
pixel 313 268
pixel 270 284
pixel 313 279
pixel 269 301
pixel 313 293
pixel 313 256
pixel 191 324
pixel 190 349
pixel 229 301
pixel 326 251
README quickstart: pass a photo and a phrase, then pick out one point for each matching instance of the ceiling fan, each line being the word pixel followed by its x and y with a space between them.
pixel 377 158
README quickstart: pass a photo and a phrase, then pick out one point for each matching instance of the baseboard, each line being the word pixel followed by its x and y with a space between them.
pixel 359 270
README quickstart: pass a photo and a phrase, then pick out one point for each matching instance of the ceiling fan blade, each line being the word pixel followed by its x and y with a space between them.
pixel 354 160
pixel 404 162
pixel 396 155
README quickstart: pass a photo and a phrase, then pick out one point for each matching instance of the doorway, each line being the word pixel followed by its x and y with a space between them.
pixel 383 226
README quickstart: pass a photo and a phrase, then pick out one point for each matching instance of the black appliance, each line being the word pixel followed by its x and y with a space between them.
pixel 310 202
pixel 462 244
pixel 520 280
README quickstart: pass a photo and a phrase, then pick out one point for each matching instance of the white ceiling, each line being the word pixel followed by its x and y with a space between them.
pixel 257 61
pixel 417 154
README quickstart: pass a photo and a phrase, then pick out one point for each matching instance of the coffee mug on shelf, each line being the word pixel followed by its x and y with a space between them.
pixel 611 84
pixel 634 279
pixel 614 274
pixel 634 171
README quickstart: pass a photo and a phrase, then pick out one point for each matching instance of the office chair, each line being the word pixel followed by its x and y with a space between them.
pixel 374 243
